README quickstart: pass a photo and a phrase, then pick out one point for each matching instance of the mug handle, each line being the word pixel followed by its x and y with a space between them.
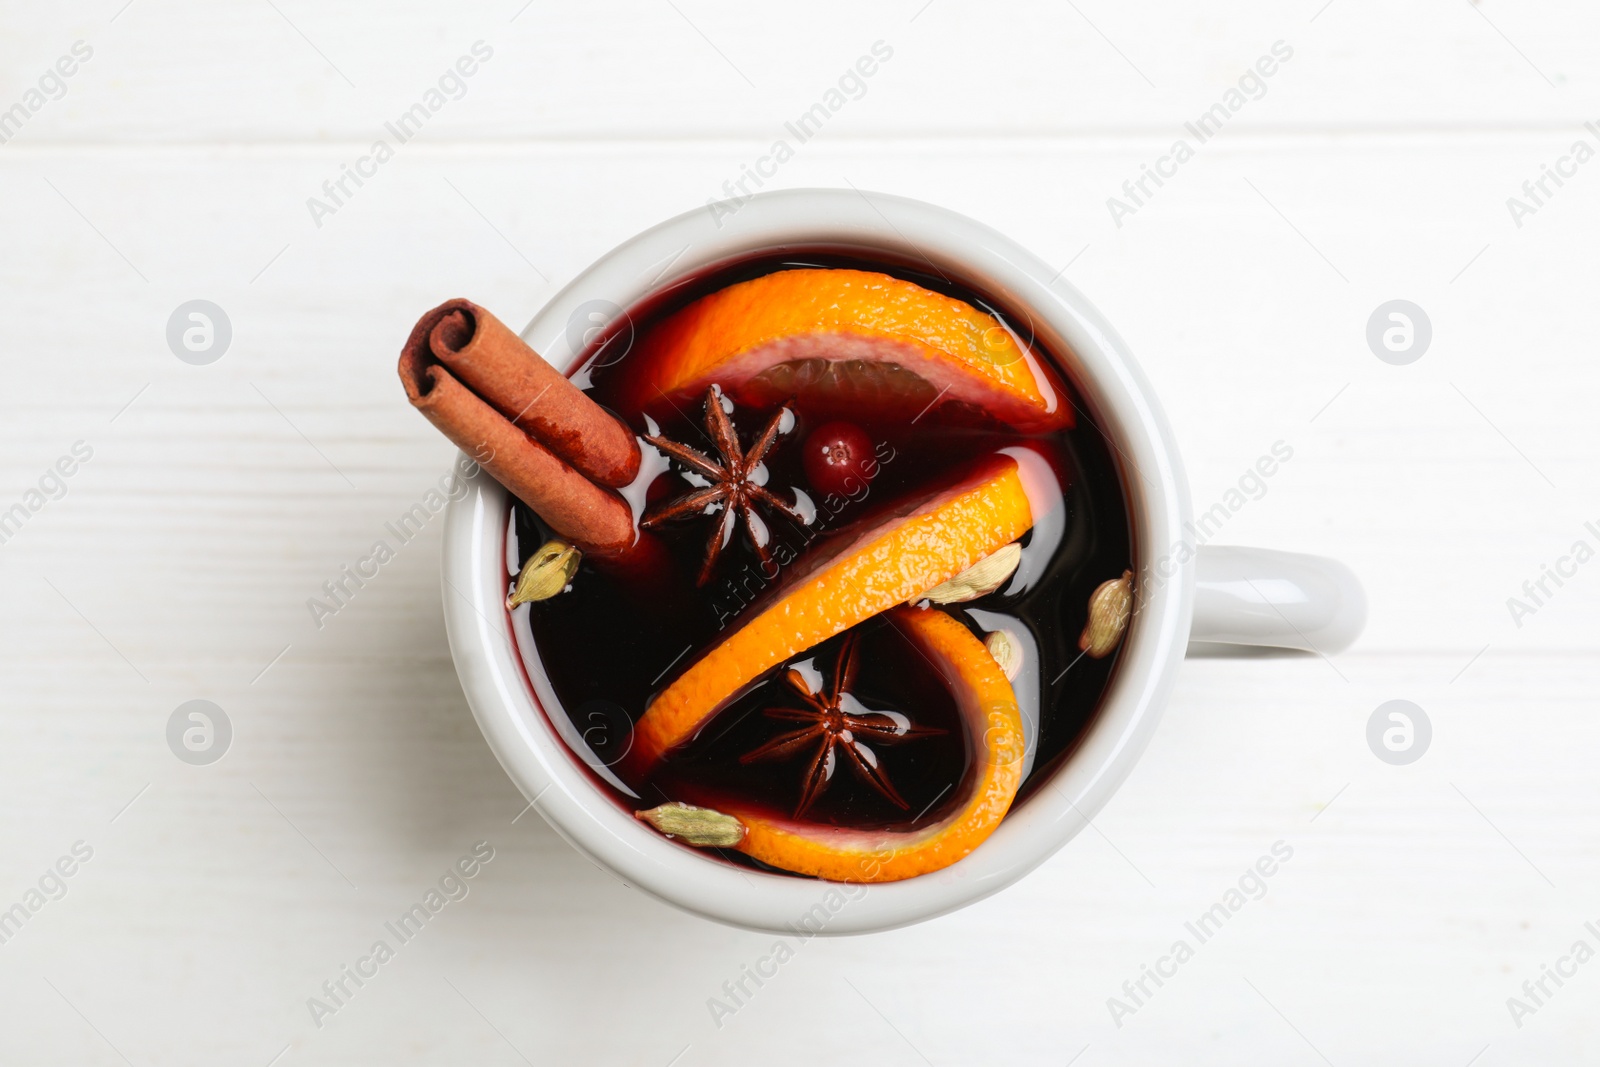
pixel 1260 597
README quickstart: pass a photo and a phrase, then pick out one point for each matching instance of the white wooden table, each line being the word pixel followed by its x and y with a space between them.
pixel 175 562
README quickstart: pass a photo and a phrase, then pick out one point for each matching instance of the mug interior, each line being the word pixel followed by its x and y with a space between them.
pixel 1109 392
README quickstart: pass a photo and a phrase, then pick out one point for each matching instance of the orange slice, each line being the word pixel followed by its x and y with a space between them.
pixel 988 707
pixel 837 586
pixel 857 343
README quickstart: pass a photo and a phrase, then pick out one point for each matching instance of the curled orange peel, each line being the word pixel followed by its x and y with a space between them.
pixel 987 706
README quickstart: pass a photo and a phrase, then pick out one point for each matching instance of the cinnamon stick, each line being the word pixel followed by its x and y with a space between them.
pixel 492 361
pixel 593 517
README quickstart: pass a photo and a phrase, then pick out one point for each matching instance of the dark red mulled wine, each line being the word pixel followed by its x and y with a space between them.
pixel 599 653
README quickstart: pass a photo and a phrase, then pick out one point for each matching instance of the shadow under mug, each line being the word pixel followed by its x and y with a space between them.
pixel 1213 596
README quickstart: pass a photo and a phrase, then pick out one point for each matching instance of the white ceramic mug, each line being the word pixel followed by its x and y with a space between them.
pixel 1206 594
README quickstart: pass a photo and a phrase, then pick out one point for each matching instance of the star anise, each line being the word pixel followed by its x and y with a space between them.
pixel 734 486
pixel 837 722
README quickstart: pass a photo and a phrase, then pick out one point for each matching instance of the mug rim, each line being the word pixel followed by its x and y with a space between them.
pixel 1101 371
